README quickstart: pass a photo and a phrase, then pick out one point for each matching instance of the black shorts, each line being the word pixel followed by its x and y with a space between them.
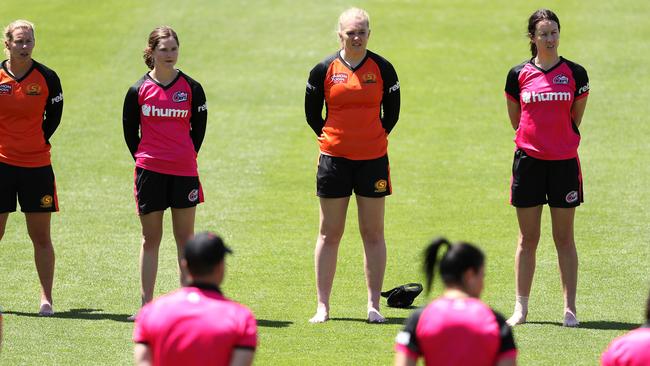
pixel 157 191
pixel 338 177
pixel 34 187
pixel 536 182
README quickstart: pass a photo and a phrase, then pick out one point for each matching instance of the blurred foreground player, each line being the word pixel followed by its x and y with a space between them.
pixel 457 328
pixel 631 349
pixel 31 104
pixel 197 325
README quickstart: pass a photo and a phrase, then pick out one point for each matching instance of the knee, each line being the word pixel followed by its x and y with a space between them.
pixel 564 241
pixel 42 243
pixel 372 237
pixel 329 238
pixel 528 241
pixel 151 242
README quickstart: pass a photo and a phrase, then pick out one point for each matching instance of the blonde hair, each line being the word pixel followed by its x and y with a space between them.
pixel 354 13
pixel 18 24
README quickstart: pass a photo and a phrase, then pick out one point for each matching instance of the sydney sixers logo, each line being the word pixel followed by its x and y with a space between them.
pixel 179 96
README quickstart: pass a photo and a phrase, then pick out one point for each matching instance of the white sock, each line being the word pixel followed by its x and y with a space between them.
pixel 521 311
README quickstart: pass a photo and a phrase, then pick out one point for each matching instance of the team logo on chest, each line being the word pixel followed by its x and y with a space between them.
pixel 5 89
pixel 33 89
pixel 369 78
pixel 339 78
pixel 179 96
pixel 561 79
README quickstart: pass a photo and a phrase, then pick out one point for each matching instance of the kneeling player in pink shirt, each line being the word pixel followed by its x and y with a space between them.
pixel 196 325
pixel 457 328
pixel 631 349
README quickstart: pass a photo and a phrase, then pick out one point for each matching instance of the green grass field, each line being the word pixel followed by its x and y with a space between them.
pixel 450 162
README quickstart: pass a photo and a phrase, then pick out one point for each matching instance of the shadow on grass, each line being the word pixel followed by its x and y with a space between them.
pixel 273 323
pixel 600 324
pixel 84 314
pixel 389 320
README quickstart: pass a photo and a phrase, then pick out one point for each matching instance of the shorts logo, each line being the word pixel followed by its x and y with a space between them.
pixel 340 78
pixel 179 96
pixel 5 89
pixel 571 197
pixel 33 89
pixel 46 201
pixel 381 186
pixel 193 196
pixel 369 78
pixel 561 79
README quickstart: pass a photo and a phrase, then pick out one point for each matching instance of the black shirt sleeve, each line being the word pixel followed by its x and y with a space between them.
pixel 131 118
pixel 315 97
pixel 505 334
pixel 390 103
pixel 54 104
pixel 407 336
pixel 199 118
pixel 581 78
pixel 512 81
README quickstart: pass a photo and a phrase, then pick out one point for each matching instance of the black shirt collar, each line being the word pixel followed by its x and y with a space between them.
pixel 206 286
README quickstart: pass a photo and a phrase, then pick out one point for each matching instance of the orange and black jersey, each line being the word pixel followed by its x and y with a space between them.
pixel 362 106
pixel 30 112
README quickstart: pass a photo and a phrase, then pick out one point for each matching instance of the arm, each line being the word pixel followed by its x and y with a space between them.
pixel 507 362
pixel 53 105
pixel 242 357
pixel 402 359
pixel 578 110
pixel 142 355
pixel 315 98
pixel 131 120
pixel 391 98
pixel 199 118
pixel 514 112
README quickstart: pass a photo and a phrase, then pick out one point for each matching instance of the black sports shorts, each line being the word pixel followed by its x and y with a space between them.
pixel 536 182
pixel 35 189
pixel 158 191
pixel 339 177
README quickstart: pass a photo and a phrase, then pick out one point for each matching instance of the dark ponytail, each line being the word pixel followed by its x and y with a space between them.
pixel 536 17
pixel 457 259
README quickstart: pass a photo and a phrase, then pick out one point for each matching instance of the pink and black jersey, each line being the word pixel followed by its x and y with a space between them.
pixel 631 349
pixel 164 126
pixel 457 332
pixel 195 325
pixel 546 130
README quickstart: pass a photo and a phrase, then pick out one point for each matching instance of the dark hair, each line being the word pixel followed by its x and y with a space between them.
pixel 204 252
pixel 536 17
pixel 457 259
pixel 154 38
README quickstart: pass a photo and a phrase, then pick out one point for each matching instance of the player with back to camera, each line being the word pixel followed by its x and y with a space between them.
pixel 164 121
pixel 546 99
pixel 197 325
pixel 456 328
pixel 631 349
pixel 31 105
pixel 361 93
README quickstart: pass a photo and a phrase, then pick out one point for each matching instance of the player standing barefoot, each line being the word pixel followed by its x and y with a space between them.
pixel 31 104
pixel 546 99
pixel 362 97
pixel 164 122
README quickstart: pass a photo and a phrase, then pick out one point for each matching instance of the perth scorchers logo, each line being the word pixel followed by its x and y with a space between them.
pixel 33 89
pixel 369 78
pixel 381 186
pixel 46 201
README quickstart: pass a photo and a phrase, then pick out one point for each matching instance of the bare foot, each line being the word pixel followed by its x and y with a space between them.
pixel 374 316
pixel 570 319
pixel 516 318
pixel 46 309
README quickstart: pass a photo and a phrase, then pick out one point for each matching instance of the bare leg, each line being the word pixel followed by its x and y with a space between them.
pixel 332 225
pixel 152 230
pixel 371 225
pixel 38 228
pixel 183 223
pixel 562 221
pixel 530 219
